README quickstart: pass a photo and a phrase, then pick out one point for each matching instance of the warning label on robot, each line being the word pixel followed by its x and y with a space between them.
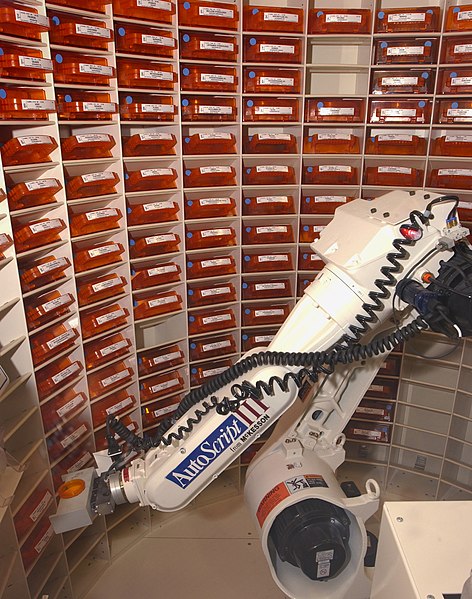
pixel 284 490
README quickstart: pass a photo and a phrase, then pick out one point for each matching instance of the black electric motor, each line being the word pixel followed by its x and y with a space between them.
pixel 312 535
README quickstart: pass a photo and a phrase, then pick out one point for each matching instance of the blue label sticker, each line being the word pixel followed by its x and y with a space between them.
pixel 320 104
pixel 421 103
pixel 189 203
pixel 428 43
pixel 185 102
pixel 247 311
pixel 425 75
pixel 310 138
pixel 248 229
pixel 320 13
pixel 381 14
pixel 189 264
pixel 186 72
pixel 3 94
pixel 186 5
pixel 248 170
pixel 306 228
pixel 252 74
pixel 247 258
pixel 310 169
pixel 190 234
pixel 121 31
pixel 188 172
pixel 453 74
pixel 247 201
pixel 253 41
pixel 56 20
pixel 193 346
pixel 384 45
pixel 305 256
pixel 132 242
pixel 194 371
pixel 455 105
pixel 245 337
pixel 129 210
pixel 307 200
pixel 255 11
pixel 58 58
pixel 245 285
pixel 456 9
pixel 191 318
pixel 250 103
pixel 1 52
pixel 190 292
pixel 186 37
pixel 187 140
pixel 129 99
pixel 68 98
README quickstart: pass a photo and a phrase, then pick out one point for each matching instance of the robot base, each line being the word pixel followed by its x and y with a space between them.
pixel 278 481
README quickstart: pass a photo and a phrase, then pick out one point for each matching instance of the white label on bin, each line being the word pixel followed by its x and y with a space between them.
pixel 334 136
pixel 160 4
pixel 110 316
pixel 399 81
pixel 213 371
pixel 343 18
pixel 47 536
pixel 52 265
pixel 263 338
pixel 106 249
pixel 119 406
pixel 151 74
pixel 367 433
pixel 279 229
pixel 269 286
pixel 162 301
pixel 203 136
pixel 114 347
pixel 401 112
pixel 55 303
pixel 216 345
pixel 407 17
pixel 208 11
pixel 166 410
pixel 114 378
pixel 273 110
pixel 66 373
pixel 330 199
pixel 31 18
pixel 264 313
pixel 290 81
pixel 217 318
pixel 467 81
pixel 216 232
pixel 92 177
pixel 91 137
pixel 216 262
pixel 318 228
pixel 459 138
pixel 92 30
pixel 154 136
pixel 334 168
pixel 30 140
pixel 214 78
pixel 60 339
pixel 215 110
pixel 40 184
pixel 376 411
pixel 80 462
pixel 336 111
pixel 277 49
pixel 69 406
pixel 376 388
pixel 271 169
pixel 218 46
pixel 157 40
pixel 397 170
pixel 167 357
pixel 272 200
pixel 45 226
pixel 106 284
pixel 276 136
pixel 106 213
pixel 460 113
pixel 74 436
pixel 158 206
pixel 273 258
pixel 156 108
pixel 285 17
pixel 215 291
pixel 465 205
pixel 455 172
pixel 465 15
pixel 165 385
pixel 156 172
pixel 95 69
pixel 33 62
pixel 214 201
pixel 205 170
pixel 406 51
pixel 394 137
pixel 99 107
pixel 161 270
pixel 38 105
pixel 160 238
pixel 462 48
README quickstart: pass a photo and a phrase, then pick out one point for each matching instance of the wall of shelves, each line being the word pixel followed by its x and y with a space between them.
pixel 143 364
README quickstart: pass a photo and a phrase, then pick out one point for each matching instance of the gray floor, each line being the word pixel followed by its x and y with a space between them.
pixel 208 553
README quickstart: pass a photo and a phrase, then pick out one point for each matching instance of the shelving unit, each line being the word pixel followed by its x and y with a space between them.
pixel 426 450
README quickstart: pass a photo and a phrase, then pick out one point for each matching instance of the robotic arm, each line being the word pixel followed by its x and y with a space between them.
pixel 383 259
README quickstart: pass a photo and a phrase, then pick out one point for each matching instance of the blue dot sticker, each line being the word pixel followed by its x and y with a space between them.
pixel 186 37
pixel 190 234
pixel 245 285
pixel 190 203
pixel 310 169
pixel 252 74
pixel 245 337
pixel 305 256
pixel 250 137
pixel 129 210
pixel 135 303
pixel 191 318
pixel 129 99
pixel 58 58
pixel 126 176
pixel 320 104
pixel 425 75
pixel 248 229
pixel 255 11
pixel 455 105
pixel 121 31
pixel 188 172
pixel 187 140
pixel 1 52
pixel 384 45
pixel 140 360
pixel 456 9
pixel 430 11
pixel 190 292
pixel 428 44
pixel 381 14
pixel 193 345
pixel 307 200
pixel 421 103
pixel 194 371
pixel 253 41
pixel 248 170
pixel 56 20
pixel 186 5
pixel 185 72
pixel 189 264
pixel 132 242
pixel 185 102
pixel 3 94
pixel 306 228
pixel 250 103
pixel 453 74
pixel 320 13
pixel 247 311
pixel 247 201
pixel 68 98
pixel 247 258
pixel 310 138
pixel 372 139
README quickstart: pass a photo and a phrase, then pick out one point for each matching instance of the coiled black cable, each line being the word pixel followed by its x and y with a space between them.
pixel 347 350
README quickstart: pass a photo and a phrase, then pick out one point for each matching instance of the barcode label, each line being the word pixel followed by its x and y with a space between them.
pixel 277 49
pixel 367 433
pixel 465 15
pixel 155 136
pixel 162 301
pixel 31 18
pixel 60 339
pixel 105 213
pixel 160 239
pixel 213 78
pixel 406 51
pixel 281 16
pixel 203 136
pixel 466 81
pixel 271 169
pixel 74 436
pixel 106 249
pixel 166 410
pixel 265 313
pixel 273 110
pixel 206 170
pixel 334 136
pixel 273 258
pixel 216 345
pixel 92 177
pixel 156 172
pixel 165 385
pixel 106 284
pixel 166 108
pixel 110 316
pixel 215 110
pixel 399 81
pixel 343 18
pixel 218 46
pixel 32 62
pixel 167 357
pixel 114 378
pixel 159 4
pixel 29 140
pixel 269 286
pixel 52 265
pixel 397 170
pixel 214 201
pixel 459 138
pixel 263 338
pixel 397 112
pixel 334 168
pixel 279 229
pixel 95 69
pixel 330 199
pixel 99 106
pixel 157 40
pixel 92 137
pixel 215 232
pixel 215 262
pixel 38 105
pixel 209 11
pixel 272 200
pixel 41 544
pixel 66 373
pixel 217 318
pixel 41 184
pixel 335 111
pixel 455 172
pixel 158 75
pixel 394 137
pixel 93 31
pixel 55 303
pixel 69 406
pixel 407 17
pixel 119 406
pixel 213 371
pixel 215 291
pixel 45 226
pixel 161 270
pixel 114 347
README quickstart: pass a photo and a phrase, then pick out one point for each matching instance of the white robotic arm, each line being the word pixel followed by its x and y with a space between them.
pixel 368 248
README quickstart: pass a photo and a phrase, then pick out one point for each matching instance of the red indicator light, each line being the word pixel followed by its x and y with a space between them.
pixel 411 232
